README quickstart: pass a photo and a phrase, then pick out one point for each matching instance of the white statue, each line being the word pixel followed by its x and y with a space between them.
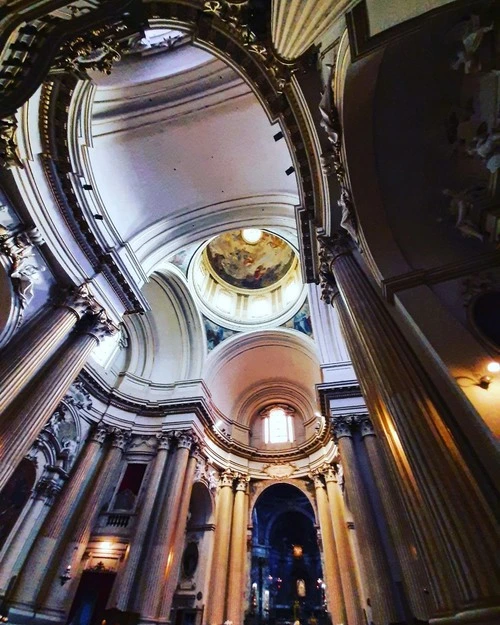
pixel 486 145
pixel 461 205
pixel 472 38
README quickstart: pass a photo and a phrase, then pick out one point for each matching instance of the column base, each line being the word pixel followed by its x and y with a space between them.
pixel 479 616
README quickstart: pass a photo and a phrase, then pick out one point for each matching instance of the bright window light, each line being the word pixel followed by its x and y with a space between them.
pixel 278 426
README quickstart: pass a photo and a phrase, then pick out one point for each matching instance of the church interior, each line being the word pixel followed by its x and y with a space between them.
pixel 250 312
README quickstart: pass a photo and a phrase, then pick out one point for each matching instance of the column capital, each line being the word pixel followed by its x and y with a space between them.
pixel 330 473
pixel 226 478
pixel 343 425
pixel 366 427
pixel 316 478
pixel 79 300
pixel 100 326
pixel 242 482
pixel 48 487
pixel 99 434
pixel 186 439
pixel 120 438
pixel 164 440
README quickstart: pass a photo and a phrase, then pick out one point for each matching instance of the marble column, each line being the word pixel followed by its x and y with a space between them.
pixel 125 582
pixel 24 532
pixel 46 552
pixel 350 590
pixel 160 554
pixel 31 347
pixel 178 539
pixel 220 560
pixel 58 599
pixel 444 501
pixel 237 560
pixel 30 413
pixel 413 572
pixel 372 551
pixel 331 564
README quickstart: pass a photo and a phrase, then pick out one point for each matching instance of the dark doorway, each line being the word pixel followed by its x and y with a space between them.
pixel 286 573
pixel 91 598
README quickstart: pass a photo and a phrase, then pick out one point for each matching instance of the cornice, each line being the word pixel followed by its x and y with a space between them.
pixel 208 415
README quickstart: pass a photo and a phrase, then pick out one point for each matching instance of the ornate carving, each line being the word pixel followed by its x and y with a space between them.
pixel 164 440
pixel 242 483
pixel 101 326
pixel 318 481
pixel 78 396
pixel 329 472
pixel 226 478
pixel 280 470
pixel 185 439
pixel 343 425
pixel 234 16
pixel 331 161
pixel 100 433
pixel 461 206
pixel 9 156
pixel 330 249
pixel 366 427
pixel 96 50
pixel 120 438
pixel 80 300
pixel 18 248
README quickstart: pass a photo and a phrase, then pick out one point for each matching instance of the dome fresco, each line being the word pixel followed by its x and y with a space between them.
pixel 250 265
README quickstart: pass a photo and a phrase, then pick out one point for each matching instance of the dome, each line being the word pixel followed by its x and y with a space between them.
pixel 247 278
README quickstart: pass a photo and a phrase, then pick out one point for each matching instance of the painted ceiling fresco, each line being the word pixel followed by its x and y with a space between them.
pixel 250 266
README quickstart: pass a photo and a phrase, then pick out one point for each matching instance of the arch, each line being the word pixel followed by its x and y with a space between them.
pixel 260 487
pixel 201 507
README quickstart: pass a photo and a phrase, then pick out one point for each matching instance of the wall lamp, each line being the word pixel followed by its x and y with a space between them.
pixel 486 380
pixel 66 575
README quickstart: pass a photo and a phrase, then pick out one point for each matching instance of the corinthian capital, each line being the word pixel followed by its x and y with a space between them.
pixel 366 427
pixel 316 478
pixel 185 439
pixel 164 440
pixel 343 425
pixel 80 301
pixel 101 326
pixel 120 438
pixel 330 249
pixel 226 478
pixel 100 434
pixel 242 482
pixel 330 472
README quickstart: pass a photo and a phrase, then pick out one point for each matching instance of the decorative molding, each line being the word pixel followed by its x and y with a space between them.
pixel 280 470
pixel 451 271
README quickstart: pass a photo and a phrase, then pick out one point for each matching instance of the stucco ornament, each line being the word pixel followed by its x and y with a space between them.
pixel 24 268
pixel 9 155
pixel 280 471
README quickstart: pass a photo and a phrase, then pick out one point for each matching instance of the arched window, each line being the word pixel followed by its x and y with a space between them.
pixel 278 424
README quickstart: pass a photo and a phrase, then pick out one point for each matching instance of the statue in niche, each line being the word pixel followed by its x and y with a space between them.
pixel 486 145
pixel 301 588
pixel 461 206
pixel 472 38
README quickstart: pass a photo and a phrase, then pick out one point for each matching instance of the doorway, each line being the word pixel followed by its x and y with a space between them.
pixel 286 578
pixel 91 598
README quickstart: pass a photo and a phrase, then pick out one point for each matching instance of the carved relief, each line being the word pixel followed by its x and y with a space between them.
pixel 279 471
pixel 9 155
pixel 24 269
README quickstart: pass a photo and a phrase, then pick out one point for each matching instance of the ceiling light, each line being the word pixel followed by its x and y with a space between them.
pixel 251 235
pixel 493 367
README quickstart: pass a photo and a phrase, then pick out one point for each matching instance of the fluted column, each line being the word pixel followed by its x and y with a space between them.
pixel 30 413
pixel 331 568
pixel 237 558
pixel 126 578
pixel 160 556
pixel 374 558
pixel 220 559
pixel 30 348
pixel 14 554
pixel 58 598
pixel 420 433
pixel 414 574
pixel 46 551
pixel 178 539
pixel 350 589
